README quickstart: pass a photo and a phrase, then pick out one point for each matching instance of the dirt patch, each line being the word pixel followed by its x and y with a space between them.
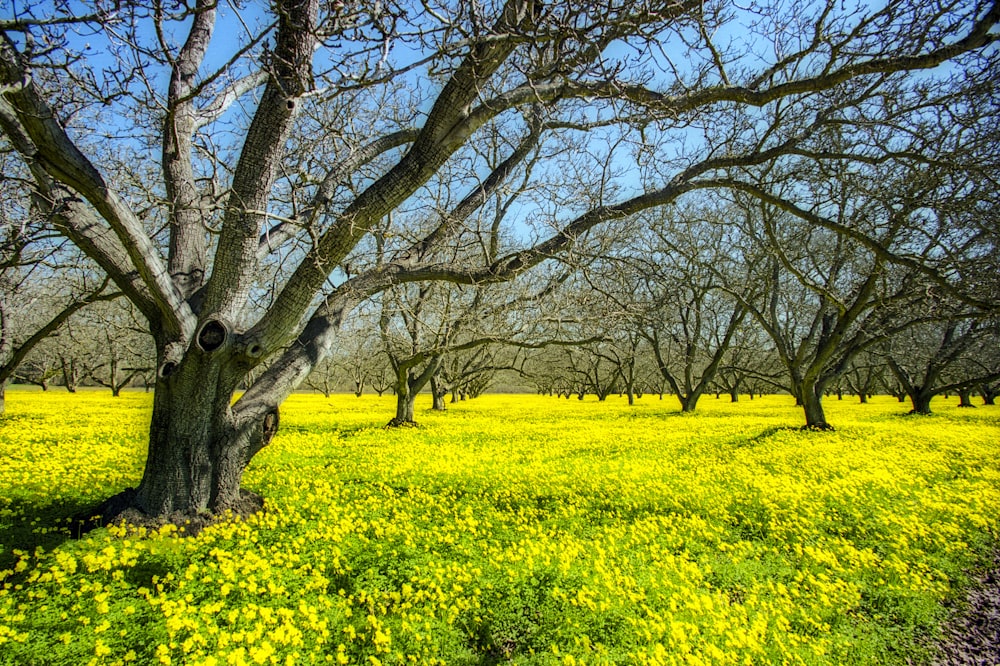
pixel 972 638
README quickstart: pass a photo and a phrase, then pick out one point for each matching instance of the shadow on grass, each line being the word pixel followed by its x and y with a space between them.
pixel 27 526
pixel 763 435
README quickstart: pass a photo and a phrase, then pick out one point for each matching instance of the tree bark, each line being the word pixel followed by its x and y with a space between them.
pixel 689 402
pixel 438 391
pixel 405 400
pixel 810 398
pixel 921 401
pixel 198 449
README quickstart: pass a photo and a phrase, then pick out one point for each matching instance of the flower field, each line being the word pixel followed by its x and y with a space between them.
pixel 518 529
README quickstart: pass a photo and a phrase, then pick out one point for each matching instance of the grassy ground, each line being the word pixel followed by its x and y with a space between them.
pixel 513 529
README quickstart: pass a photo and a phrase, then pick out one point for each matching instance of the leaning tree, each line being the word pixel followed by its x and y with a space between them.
pixel 224 170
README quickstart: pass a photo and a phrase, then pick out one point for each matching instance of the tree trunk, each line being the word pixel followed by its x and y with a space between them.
pixel 438 392
pixel 405 400
pixel 811 399
pixel 921 401
pixel 198 447
pixel 70 374
pixel 3 397
pixel 863 398
pixel 197 452
pixel 689 402
pixel 965 398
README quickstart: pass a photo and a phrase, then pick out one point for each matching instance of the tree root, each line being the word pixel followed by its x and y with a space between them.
pixel 120 509
pixel 401 423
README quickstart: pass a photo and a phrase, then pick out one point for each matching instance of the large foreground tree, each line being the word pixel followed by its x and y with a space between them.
pixel 250 242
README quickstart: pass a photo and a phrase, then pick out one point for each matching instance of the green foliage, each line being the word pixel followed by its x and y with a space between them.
pixel 510 529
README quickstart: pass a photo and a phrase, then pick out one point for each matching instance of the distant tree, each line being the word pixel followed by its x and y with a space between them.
pixel 954 355
pixel 116 350
pixel 43 283
pixel 690 319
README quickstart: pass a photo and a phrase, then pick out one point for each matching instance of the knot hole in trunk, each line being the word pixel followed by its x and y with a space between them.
pixel 212 335
pixel 269 427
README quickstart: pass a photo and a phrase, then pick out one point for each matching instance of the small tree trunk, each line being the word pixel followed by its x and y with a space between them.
pixel 965 398
pixel 70 374
pixel 438 392
pixel 3 397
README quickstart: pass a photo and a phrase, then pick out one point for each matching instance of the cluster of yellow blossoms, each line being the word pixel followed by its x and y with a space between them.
pixel 509 529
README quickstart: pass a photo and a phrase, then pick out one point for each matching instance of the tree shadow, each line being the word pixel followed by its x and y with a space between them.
pixel 28 526
pixel 763 435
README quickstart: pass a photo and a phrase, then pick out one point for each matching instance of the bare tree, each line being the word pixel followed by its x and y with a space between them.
pixel 954 354
pixel 42 285
pixel 691 320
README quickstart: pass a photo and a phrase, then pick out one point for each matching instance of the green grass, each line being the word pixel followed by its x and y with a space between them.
pixel 513 529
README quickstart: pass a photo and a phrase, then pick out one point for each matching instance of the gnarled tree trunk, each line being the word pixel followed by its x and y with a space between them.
pixel 199 445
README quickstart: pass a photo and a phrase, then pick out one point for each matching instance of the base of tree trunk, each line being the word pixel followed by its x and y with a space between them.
pixel 120 509
pixel 397 422
pixel 819 427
